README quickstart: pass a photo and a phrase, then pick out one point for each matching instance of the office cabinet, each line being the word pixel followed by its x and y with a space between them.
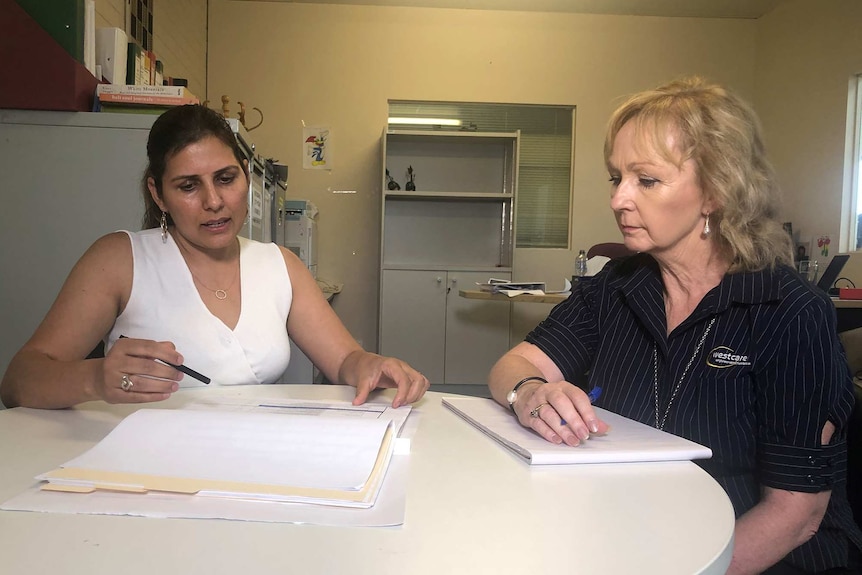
pixel 453 230
pixel 448 338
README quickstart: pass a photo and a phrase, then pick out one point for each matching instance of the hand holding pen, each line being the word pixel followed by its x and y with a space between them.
pixel 563 413
pixel 187 370
pixel 140 371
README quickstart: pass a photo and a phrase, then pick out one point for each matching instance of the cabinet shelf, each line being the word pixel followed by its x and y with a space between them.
pixel 452 232
pixel 447 138
pixel 447 195
pixel 447 266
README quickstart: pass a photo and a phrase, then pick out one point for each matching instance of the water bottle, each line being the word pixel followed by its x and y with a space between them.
pixel 581 264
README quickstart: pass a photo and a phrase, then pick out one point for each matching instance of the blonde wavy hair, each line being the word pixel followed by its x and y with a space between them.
pixel 721 134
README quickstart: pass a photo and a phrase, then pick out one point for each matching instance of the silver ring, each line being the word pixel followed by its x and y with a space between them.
pixel 127 384
pixel 535 411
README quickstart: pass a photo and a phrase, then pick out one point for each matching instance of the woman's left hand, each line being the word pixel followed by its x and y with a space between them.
pixel 367 371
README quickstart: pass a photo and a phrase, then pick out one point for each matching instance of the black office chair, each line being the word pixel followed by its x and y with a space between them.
pixel 609 250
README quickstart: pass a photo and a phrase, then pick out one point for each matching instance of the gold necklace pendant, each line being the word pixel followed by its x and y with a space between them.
pixel 220 294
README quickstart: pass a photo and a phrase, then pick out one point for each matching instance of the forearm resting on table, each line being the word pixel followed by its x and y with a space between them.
pixel 33 379
pixel 781 522
pixel 509 370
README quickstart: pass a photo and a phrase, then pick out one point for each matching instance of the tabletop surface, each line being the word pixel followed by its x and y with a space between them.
pixel 472 507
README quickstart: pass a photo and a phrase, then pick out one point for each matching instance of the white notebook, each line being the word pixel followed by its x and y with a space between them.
pixel 627 441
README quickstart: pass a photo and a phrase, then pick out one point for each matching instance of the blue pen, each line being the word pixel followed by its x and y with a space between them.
pixel 594 395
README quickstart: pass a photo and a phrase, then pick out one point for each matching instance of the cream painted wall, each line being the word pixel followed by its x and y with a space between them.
pixel 180 40
pixel 339 65
pixel 807 52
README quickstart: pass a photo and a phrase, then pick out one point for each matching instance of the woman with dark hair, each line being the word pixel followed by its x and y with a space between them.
pixel 188 290
pixel 708 332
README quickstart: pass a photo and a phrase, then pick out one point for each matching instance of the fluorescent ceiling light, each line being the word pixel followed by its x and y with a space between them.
pixel 425 121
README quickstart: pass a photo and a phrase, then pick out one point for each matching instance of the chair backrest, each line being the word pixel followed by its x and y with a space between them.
pixel 609 250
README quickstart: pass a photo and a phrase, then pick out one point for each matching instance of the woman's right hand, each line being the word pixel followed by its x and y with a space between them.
pixel 132 364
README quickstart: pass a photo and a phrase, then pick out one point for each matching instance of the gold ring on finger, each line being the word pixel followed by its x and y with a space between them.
pixel 126 384
pixel 535 411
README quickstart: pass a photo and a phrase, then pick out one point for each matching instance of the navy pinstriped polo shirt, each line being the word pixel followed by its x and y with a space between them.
pixel 770 372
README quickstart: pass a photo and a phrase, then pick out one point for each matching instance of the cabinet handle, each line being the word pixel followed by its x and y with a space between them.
pixel 439 279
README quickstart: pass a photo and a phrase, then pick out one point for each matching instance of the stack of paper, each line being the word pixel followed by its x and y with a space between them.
pixel 627 440
pixel 505 286
pixel 256 456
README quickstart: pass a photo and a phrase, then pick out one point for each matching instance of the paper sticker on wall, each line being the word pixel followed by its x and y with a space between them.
pixel 317 154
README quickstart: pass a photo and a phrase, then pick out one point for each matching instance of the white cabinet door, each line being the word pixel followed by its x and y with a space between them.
pixel 477 331
pixel 413 319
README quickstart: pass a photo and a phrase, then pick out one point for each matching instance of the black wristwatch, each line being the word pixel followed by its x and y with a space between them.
pixel 512 396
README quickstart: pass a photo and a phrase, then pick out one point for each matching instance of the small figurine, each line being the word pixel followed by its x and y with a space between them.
pixel 241 116
pixel 410 186
pixel 391 183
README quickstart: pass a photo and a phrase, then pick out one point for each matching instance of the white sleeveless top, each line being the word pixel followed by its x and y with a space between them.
pixel 165 305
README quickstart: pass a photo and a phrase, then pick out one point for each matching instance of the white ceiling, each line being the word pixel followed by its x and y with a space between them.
pixel 684 8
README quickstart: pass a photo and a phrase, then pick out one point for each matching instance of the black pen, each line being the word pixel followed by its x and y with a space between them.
pixel 186 370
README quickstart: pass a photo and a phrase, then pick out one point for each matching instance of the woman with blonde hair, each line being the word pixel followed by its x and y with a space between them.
pixel 707 332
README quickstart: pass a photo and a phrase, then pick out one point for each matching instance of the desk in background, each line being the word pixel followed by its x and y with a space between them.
pixel 553 298
pixel 849 313
pixel 467 498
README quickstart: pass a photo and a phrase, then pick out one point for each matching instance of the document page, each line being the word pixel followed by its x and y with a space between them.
pixel 627 440
pixel 319 408
pixel 301 451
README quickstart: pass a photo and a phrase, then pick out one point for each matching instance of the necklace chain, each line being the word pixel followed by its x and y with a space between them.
pixel 219 293
pixel 660 423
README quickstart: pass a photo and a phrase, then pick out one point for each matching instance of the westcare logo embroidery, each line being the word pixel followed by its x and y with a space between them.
pixel 722 357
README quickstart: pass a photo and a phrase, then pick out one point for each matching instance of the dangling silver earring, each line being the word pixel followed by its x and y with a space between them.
pixel 164 225
pixel 706 229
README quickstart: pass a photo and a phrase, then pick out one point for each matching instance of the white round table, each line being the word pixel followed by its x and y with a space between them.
pixel 472 507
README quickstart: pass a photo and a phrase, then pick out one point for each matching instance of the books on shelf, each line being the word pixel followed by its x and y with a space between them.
pixel 141 99
pixel 126 89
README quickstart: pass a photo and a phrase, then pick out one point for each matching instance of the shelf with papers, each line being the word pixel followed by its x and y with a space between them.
pixel 450 266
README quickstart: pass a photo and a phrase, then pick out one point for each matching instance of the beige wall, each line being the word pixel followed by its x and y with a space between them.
pixel 339 65
pixel 180 39
pixel 807 52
